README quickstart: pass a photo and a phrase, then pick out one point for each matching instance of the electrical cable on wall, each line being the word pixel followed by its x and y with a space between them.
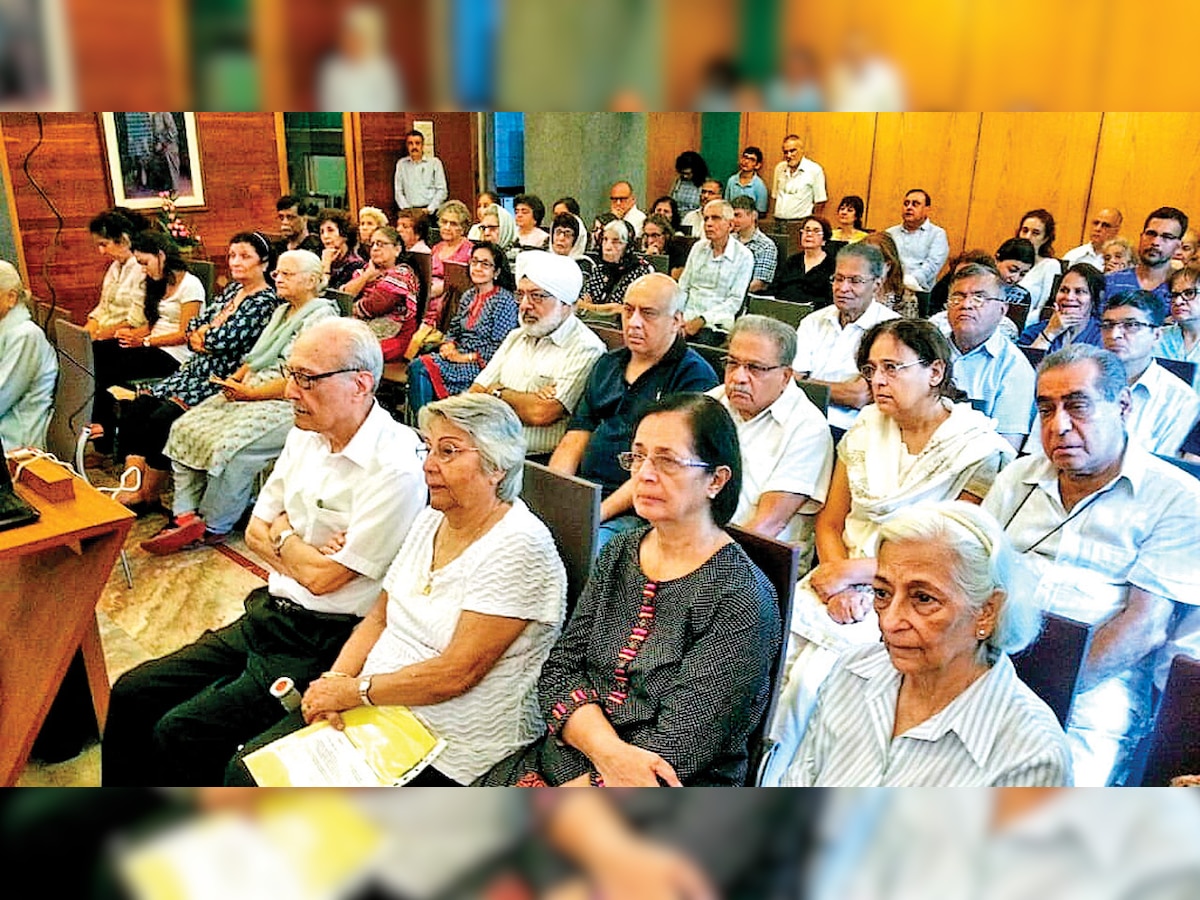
pixel 56 239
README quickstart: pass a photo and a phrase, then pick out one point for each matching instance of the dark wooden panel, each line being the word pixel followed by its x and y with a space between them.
pixel 383 144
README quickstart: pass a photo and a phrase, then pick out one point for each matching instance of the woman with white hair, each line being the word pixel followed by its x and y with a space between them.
pixel 620 266
pixel 469 608
pixel 938 702
pixel 28 367
pixel 218 447
pixel 369 218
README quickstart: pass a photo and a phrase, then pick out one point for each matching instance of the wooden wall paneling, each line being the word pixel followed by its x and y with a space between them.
pixel 933 151
pixel 1030 160
pixel 766 131
pixel 1148 160
pixel 383 144
pixel 10 202
pixel 842 143
pixel 667 135
pixel 69 167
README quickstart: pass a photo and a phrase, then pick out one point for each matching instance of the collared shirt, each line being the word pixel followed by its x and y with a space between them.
pixel 611 405
pixel 693 223
pixel 686 195
pixel 786 449
pixel 420 184
pixel 716 285
pixel 372 490
pixel 1084 253
pixel 756 190
pixel 797 191
pixel 563 358
pixel 1078 845
pixel 998 374
pixel 636 218
pixel 122 295
pixel 922 252
pixel 1164 410
pixel 1127 280
pixel 1138 530
pixel 1171 346
pixel 766 256
pixel 28 372
pixel 996 733
pixel 826 351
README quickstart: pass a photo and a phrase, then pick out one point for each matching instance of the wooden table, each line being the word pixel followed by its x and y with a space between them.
pixel 51 575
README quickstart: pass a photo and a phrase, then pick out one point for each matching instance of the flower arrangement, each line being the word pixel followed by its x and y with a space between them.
pixel 173 224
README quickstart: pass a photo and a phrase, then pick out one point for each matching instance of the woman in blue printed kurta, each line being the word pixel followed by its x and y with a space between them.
pixel 219 337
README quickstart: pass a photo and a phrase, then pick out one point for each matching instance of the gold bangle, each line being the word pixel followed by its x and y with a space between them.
pixel 332 674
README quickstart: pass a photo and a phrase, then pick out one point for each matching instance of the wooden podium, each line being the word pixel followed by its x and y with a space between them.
pixel 51 575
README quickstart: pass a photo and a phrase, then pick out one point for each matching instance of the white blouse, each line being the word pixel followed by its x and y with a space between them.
pixel 170 311
pixel 512 571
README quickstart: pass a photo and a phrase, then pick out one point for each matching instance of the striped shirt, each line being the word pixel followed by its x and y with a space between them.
pixel 1163 412
pixel 996 733
pixel 766 256
pixel 1171 346
pixel 563 358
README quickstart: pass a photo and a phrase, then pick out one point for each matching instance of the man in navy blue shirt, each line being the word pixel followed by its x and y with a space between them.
pixel 1160 238
pixel 654 362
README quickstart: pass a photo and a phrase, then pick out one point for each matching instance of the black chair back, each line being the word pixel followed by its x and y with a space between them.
pixel 344 301
pixel 781 310
pixel 1034 356
pixel 1181 368
pixel 1051 664
pixel 1174 747
pixel 206 272
pixel 74 392
pixel 613 338
pixel 570 507
pixel 780 562
pixel 817 393
pixel 660 261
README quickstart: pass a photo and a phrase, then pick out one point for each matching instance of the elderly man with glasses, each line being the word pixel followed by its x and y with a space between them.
pixel 328 524
pixel 624 206
pixel 541 368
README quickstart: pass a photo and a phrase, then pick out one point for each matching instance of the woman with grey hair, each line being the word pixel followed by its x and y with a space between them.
pixel 619 267
pixel 938 702
pixel 218 447
pixel 28 367
pixel 469 609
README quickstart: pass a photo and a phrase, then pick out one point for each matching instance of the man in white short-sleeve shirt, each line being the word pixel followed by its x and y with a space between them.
pixel 799 183
pixel 827 340
pixel 1105 225
pixel 541 368
pixel 1108 532
pixel 329 522
pixel 787 450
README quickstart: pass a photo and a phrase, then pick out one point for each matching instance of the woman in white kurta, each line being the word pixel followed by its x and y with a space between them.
pixel 913 444
pixel 28 368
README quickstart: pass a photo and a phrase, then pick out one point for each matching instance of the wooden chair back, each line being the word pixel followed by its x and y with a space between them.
pixel 570 507
pixel 1051 664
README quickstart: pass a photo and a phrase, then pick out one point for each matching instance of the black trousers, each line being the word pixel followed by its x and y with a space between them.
pixel 179 720
pixel 145 425
pixel 118 365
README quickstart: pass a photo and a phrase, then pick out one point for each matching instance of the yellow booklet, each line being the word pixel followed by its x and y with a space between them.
pixel 381 746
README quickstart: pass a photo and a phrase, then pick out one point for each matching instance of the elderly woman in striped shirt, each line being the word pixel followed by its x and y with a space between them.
pixel 937 703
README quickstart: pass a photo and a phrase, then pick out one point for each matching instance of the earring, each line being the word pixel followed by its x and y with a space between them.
pixel 982 633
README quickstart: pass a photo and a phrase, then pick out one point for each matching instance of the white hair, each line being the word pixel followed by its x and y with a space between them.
pixel 723 207
pixel 360 348
pixel 495 431
pixel 309 265
pixel 986 562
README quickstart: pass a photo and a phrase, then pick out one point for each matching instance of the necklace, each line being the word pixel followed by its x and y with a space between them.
pixel 475 534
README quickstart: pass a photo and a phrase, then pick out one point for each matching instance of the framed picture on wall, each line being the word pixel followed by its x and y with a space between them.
pixel 152 152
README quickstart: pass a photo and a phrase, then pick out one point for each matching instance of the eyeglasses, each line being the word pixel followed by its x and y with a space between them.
pixel 815 230
pixel 620 199
pixel 483 263
pixel 483 227
pixel 442 453
pixel 888 368
pixel 856 280
pixel 1187 294
pixel 1152 234
pixel 663 464
pixel 449 223
pixel 1108 326
pixel 977 298
pixel 305 381
pixel 382 243
pixel 538 297
pixel 279 273
pixel 754 369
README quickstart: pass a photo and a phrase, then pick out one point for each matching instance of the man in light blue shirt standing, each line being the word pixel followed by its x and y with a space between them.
pixel 420 181
pixel 923 246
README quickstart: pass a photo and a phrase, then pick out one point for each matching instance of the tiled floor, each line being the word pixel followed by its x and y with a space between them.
pixel 173 600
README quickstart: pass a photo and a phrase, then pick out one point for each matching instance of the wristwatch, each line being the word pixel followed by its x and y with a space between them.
pixel 364 691
pixel 146 341
pixel 282 539
pixel 498 392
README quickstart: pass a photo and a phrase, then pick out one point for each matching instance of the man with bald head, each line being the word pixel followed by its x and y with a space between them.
pixel 1105 225
pixel 654 362
pixel 541 368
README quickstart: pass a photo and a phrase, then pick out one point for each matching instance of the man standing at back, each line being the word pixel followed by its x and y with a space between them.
pixel 420 181
pixel 922 246
pixel 1106 225
pixel 799 183
pixel 654 362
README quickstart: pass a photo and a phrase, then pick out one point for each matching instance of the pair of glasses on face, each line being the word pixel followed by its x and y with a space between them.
pixel 756 370
pixel 443 453
pixel 976 298
pixel 381 243
pixel 664 464
pixel 305 380
pixel 620 199
pixel 1108 326
pixel 888 368
pixel 483 263
pixel 1187 295
pixel 856 280
pixel 538 297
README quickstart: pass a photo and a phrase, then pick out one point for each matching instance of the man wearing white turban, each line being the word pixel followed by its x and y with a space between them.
pixel 542 367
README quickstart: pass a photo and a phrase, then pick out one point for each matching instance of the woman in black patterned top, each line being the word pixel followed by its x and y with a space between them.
pixel 219 337
pixel 663 670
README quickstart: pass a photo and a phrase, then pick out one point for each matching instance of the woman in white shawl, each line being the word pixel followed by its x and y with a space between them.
pixel 218 447
pixel 913 444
